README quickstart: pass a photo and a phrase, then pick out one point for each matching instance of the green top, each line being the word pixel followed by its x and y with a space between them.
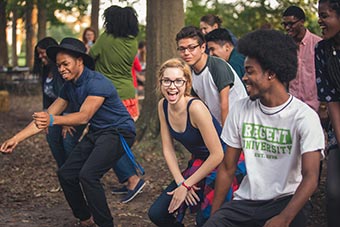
pixel 114 58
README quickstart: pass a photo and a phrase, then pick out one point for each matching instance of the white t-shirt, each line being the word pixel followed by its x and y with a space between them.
pixel 215 76
pixel 273 141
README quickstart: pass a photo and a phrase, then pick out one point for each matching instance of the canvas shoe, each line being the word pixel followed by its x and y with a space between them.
pixel 119 191
pixel 131 194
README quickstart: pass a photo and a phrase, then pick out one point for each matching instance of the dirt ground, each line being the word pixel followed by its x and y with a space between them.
pixel 28 175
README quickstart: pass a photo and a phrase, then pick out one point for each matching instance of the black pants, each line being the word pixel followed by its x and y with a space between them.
pixel 333 187
pixel 81 174
pixel 247 213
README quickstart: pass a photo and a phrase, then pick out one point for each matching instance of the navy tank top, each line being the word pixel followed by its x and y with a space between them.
pixel 191 138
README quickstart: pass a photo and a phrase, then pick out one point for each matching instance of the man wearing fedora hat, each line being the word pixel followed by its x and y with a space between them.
pixel 98 103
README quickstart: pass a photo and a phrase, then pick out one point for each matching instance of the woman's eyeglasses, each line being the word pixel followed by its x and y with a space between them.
pixel 177 82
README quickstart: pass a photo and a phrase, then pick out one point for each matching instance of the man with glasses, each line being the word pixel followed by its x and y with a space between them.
pixel 304 85
pixel 214 81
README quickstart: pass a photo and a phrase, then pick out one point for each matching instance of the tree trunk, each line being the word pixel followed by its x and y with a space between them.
pixel 42 19
pixel 29 34
pixel 95 15
pixel 164 19
pixel 3 42
pixel 14 38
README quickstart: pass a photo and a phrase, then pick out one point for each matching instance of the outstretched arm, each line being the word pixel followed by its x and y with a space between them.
pixel 9 145
pixel 31 129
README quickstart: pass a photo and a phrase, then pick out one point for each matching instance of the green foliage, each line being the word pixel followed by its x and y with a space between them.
pixel 61 31
pixel 242 16
pixel 142 33
pixel 63 5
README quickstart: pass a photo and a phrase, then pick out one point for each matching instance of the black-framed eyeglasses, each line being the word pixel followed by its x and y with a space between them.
pixel 289 24
pixel 168 82
pixel 189 48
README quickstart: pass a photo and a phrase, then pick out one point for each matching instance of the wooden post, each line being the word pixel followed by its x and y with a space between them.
pixel 4 101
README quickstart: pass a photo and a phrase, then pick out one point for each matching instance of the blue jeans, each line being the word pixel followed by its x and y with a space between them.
pixel 61 148
pixel 159 214
pixel 124 169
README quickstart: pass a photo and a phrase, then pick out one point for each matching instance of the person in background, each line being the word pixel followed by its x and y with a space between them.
pixel 188 120
pixel 220 45
pixel 281 137
pixel 327 63
pixel 89 38
pixel 136 70
pixel 114 53
pixel 303 86
pixel 61 139
pixel 141 55
pixel 210 22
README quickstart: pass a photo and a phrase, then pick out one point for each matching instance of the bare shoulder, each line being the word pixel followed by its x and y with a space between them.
pixel 198 110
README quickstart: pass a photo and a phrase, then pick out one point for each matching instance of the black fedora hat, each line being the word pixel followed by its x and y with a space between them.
pixel 71 45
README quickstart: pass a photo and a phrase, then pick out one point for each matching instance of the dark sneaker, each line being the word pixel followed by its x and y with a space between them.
pixel 132 193
pixel 119 191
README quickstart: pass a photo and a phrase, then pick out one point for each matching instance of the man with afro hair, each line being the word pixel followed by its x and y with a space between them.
pixel 281 137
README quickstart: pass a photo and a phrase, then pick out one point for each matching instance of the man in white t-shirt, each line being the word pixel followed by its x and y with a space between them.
pixel 281 137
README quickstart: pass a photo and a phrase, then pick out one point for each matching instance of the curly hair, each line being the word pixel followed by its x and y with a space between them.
pixel 121 22
pixel 191 32
pixel 211 20
pixel 273 50
pixel 180 64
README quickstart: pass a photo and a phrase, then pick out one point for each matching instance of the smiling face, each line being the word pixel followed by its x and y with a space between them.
pixel 42 55
pixel 294 27
pixel 172 92
pixel 329 21
pixel 256 80
pixel 70 68
pixel 222 51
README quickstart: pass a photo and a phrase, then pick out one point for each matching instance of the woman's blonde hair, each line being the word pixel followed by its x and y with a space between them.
pixel 180 64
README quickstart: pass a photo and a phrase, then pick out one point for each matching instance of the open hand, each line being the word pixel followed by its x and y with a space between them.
pixel 178 197
pixel 192 198
pixel 67 129
pixel 9 145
